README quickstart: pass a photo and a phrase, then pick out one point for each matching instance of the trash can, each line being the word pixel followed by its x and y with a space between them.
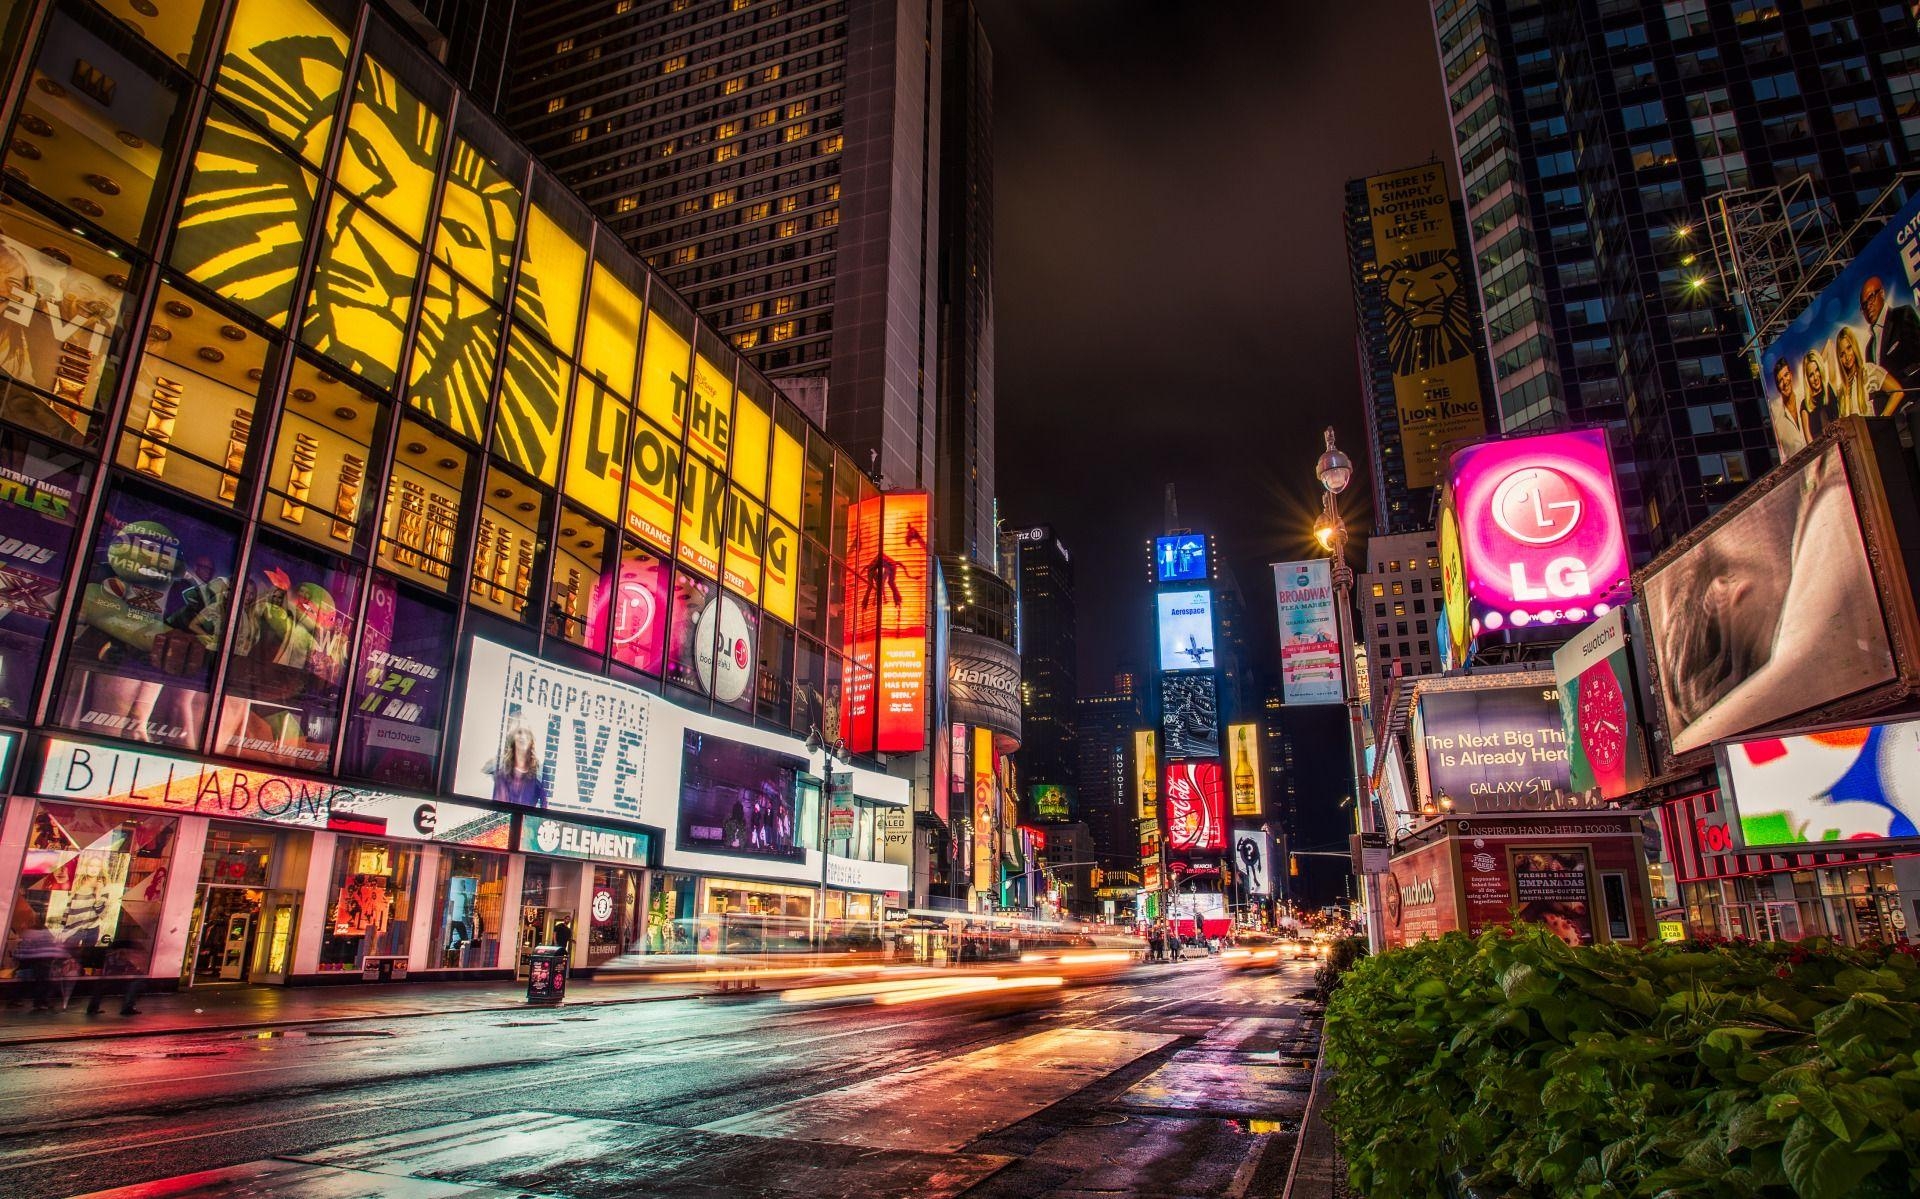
pixel 547 975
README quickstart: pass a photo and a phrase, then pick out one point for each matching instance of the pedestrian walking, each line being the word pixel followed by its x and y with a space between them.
pixel 123 970
pixel 40 956
pixel 1154 944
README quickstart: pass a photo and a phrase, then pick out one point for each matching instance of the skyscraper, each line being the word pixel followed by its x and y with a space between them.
pixel 1589 138
pixel 779 163
pixel 1107 776
pixel 1401 310
pixel 1049 654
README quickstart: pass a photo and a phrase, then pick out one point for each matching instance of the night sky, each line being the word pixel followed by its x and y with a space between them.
pixel 1171 292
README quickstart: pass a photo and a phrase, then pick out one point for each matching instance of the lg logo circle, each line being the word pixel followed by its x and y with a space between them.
pixel 1537 505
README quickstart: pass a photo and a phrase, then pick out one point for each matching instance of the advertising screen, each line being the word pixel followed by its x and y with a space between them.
pixel 291 643
pixel 1848 784
pixel 1540 534
pixel 888 567
pixel 1253 859
pixel 1855 351
pixel 1186 629
pixel 1600 710
pixel 1769 611
pixel 1309 633
pixel 1495 749
pixel 44 487
pixel 1049 801
pixel 1146 765
pixel 986 870
pixel 1551 888
pixel 1428 300
pixel 1189 717
pixel 983 678
pixel 737 798
pixel 399 689
pixel 1196 815
pixel 1181 558
pixel 1243 768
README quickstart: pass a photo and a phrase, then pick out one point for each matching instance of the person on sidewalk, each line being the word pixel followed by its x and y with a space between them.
pixel 123 968
pixel 40 955
pixel 1155 944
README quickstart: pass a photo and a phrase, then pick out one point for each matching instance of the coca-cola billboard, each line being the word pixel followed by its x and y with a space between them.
pixel 1196 813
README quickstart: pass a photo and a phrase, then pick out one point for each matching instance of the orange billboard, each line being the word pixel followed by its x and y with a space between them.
pixel 888 571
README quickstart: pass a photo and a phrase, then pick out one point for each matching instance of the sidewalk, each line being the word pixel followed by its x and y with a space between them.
pixel 1319 1172
pixel 236 1008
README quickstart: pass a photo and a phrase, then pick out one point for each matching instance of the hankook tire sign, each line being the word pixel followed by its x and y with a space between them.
pixel 983 679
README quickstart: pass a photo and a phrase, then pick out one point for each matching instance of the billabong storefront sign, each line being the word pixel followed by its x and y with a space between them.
pixel 565 839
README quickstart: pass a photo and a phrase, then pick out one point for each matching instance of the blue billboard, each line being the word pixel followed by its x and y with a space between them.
pixel 1181 558
pixel 1855 351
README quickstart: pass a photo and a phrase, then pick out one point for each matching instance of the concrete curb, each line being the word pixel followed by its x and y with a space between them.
pixel 121 1034
pixel 1315 1114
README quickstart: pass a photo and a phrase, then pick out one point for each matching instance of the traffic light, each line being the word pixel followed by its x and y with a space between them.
pixel 1096 878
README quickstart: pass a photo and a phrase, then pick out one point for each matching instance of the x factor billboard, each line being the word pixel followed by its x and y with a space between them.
pixel 1532 539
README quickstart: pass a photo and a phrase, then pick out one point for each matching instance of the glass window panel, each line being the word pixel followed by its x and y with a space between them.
pixel 318 483
pixel 46 487
pixel 62 313
pixel 577 607
pixel 779 592
pixel 818 471
pixel 283 66
pixel 181 29
pixel 422 515
pixel 638 598
pixel 507 546
pixel 710 418
pixel 691 594
pixel 653 485
pixel 810 612
pixel 93 132
pixel 286 680
pixel 843 493
pixel 244 218
pixel 663 368
pixel 773 676
pixel 479 219
pixel 552 265
pixel 703 504
pixel 362 291
pixel 469 910
pixel 454 351
pixel 613 327
pixel 526 432
pixel 746 546
pixel 788 482
pixel 751 430
pixel 596 449
pixel 392 149
pixel 95 876
pixel 811 707
pixel 190 417
pixel 152 612
pixel 371 904
pixel 399 688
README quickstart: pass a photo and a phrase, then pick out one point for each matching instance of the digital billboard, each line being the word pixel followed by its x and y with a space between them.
pixel 1600 710
pixel 1049 801
pixel 1491 749
pixel 1196 816
pixel 1855 350
pixel 1428 303
pixel 1309 633
pixel 1186 629
pixel 889 563
pixel 1181 558
pixel 737 798
pixel 1243 768
pixel 1146 766
pixel 1766 610
pixel 1189 717
pixel 1848 784
pixel 983 680
pixel 1253 859
pixel 1540 535
pixel 986 867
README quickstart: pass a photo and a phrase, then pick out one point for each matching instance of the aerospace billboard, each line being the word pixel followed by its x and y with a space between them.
pixel 1185 621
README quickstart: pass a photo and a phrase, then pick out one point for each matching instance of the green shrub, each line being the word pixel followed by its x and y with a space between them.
pixel 1674 1071
pixel 1340 959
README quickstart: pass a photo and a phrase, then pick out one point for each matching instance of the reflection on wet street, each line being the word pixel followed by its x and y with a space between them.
pixel 1171 1080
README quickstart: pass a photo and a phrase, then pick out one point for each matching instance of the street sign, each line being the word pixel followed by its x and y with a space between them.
pixel 1370 852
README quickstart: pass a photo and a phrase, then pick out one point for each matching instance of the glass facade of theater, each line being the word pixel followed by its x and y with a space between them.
pixel 308 374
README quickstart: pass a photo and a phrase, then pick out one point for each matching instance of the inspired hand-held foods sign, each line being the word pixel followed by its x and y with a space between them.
pixel 1428 315
pixel 888 568
pixel 1196 808
pixel 1599 710
pixel 1309 632
pixel 1540 537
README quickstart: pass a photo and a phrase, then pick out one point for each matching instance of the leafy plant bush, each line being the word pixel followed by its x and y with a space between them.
pixel 1340 959
pixel 1724 1069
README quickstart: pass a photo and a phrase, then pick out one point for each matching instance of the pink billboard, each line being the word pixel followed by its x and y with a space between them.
pixel 1541 538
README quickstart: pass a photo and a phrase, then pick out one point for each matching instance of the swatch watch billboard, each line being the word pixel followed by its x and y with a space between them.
pixel 1600 711
pixel 1541 544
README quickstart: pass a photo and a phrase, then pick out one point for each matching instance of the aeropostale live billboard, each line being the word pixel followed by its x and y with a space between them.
pixel 1309 632
pixel 1429 317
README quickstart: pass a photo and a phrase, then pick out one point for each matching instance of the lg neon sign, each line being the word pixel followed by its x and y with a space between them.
pixel 1542 542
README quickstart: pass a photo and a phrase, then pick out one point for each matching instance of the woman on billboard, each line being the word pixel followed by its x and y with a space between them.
pixel 1865 389
pixel 1820 407
pixel 516 772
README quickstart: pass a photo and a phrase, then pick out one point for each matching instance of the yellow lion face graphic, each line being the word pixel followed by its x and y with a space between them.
pixel 1428 318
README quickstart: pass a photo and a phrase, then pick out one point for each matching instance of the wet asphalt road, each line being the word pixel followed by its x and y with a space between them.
pixel 1180 1080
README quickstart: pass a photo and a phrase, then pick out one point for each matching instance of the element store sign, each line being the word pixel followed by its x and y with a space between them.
pixel 565 839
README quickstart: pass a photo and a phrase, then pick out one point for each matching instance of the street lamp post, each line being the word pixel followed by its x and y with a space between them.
pixel 1335 471
pixel 834 751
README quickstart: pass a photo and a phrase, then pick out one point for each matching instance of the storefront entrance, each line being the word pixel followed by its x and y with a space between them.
pixel 241 935
pixel 614 911
pixel 546 902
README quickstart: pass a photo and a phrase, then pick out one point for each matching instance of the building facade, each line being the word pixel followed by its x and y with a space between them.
pixel 415 573
pixel 1589 138
pixel 1049 656
pixel 1108 777
pixel 1399 599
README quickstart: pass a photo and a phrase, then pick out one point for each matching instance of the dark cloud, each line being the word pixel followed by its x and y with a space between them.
pixel 1171 291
